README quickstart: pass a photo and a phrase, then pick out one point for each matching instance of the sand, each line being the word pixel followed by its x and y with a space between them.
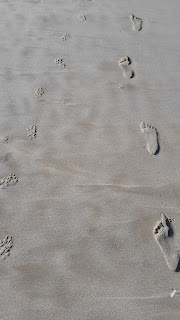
pixel 81 192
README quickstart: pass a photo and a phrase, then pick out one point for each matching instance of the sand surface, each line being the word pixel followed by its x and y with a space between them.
pixel 81 193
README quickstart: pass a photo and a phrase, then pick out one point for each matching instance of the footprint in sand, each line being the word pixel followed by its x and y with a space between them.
pixel 82 17
pixel 151 135
pixel 5 247
pixel 164 236
pixel 60 62
pixel 32 131
pixel 137 22
pixel 39 92
pixel 8 181
pixel 125 64
pixel 65 37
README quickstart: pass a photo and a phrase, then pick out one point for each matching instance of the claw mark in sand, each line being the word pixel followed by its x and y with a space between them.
pixel 137 22
pixel 164 236
pixel 151 136
pixel 125 63
pixel 8 181
pixel 5 246
pixel 32 131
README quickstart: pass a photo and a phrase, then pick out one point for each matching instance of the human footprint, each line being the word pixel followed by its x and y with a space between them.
pixel 164 236
pixel 151 136
pixel 137 22
pixel 124 63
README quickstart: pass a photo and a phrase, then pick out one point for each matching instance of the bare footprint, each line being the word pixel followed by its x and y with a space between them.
pixel 151 135
pixel 137 22
pixel 164 236
pixel 124 63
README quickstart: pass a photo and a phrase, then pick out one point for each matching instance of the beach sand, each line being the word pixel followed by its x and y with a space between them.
pixel 82 186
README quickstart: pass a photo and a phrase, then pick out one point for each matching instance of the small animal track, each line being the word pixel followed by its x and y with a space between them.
pixel 65 37
pixel 8 181
pixel 32 131
pixel 60 62
pixel 39 92
pixel 5 247
pixel 125 64
pixel 151 136
pixel 137 22
pixel 82 18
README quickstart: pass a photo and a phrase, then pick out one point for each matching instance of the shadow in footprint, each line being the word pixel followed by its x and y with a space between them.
pixel 178 267
pixel 170 231
pixel 133 74
pixel 158 149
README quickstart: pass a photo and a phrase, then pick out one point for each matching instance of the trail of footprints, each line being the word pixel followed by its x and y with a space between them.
pixel 163 230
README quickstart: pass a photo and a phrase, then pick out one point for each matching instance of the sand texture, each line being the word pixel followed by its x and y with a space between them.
pixel 89 160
